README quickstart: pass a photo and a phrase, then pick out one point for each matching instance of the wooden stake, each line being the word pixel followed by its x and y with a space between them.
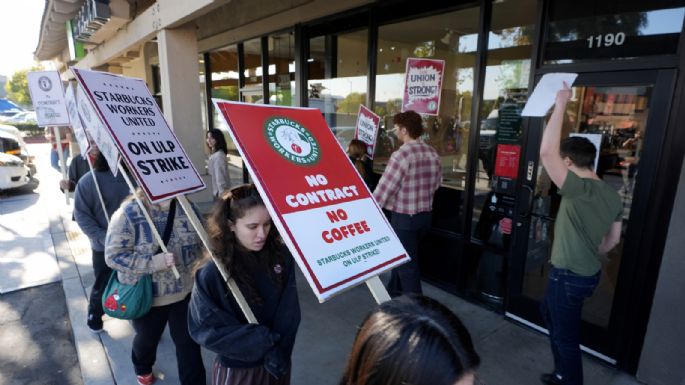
pixel 377 290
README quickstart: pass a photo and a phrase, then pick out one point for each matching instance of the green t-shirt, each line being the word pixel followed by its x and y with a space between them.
pixel 588 208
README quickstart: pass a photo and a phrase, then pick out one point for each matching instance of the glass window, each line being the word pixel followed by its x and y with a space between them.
pixel 253 91
pixel 337 67
pixel 589 30
pixel 225 84
pixel 451 37
pixel 510 47
pixel 282 70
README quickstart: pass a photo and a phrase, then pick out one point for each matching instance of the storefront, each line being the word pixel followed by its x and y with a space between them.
pixel 494 214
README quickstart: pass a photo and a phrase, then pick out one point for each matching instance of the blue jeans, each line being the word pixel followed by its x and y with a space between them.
pixel 54 158
pixel 410 229
pixel 562 310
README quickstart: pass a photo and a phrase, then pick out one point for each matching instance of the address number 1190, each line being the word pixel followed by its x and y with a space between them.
pixel 606 40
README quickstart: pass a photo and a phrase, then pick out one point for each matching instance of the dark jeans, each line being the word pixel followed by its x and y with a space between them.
pixel 562 309
pixel 149 330
pixel 102 273
pixel 410 229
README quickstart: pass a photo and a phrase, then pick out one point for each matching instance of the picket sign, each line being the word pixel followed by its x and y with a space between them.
pixel 156 189
pixel 323 210
pixel 232 285
pixel 155 233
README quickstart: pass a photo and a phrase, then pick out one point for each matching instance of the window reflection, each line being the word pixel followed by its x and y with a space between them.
pixel 337 66
pixel 282 69
pixel 451 37
pixel 252 91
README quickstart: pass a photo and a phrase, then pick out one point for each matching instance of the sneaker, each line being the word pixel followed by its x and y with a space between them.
pixel 550 379
pixel 147 379
pixel 94 324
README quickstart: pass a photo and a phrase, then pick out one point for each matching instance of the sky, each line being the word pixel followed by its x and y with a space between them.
pixel 19 28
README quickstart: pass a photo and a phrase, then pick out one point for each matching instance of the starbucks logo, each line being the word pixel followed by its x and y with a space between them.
pixel 432 106
pixel 45 83
pixel 292 141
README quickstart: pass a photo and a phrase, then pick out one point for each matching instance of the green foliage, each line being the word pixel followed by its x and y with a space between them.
pixel 350 105
pixel 17 87
pixel 31 129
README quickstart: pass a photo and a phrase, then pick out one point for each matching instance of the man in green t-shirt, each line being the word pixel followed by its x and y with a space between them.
pixel 588 224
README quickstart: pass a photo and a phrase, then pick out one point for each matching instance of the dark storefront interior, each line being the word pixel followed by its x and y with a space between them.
pixel 494 214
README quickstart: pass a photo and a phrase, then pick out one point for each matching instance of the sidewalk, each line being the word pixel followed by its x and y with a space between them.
pixel 511 354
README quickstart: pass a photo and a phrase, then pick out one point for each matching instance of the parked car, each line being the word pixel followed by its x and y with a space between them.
pixel 22 117
pixel 12 142
pixel 13 172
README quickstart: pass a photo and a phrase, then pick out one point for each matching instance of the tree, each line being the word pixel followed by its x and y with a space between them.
pixel 350 105
pixel 17 87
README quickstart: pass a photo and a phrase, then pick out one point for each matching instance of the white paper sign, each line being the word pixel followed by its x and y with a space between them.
pixel 152 151
pixel 596 139
pixel 47 96
pixel 97 131
pixel 77 127
pixel 545 93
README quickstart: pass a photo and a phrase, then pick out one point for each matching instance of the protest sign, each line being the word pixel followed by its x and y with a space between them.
pixel 151 150
pixel 423 85
pixel 97 131
pixel 321 207
pixel 76 126
pixel 366 129
pixel 545 93
pixel 47 96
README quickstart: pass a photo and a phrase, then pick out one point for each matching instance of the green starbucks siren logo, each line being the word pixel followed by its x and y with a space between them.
pixel 292 141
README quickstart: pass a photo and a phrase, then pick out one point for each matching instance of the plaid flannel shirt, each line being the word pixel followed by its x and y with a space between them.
pixel 410 179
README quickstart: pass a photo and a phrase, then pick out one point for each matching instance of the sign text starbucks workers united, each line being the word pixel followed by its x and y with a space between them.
pixel 139 130
pixel 321 207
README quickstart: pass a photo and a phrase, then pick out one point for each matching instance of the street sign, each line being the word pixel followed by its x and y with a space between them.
pixel 325 213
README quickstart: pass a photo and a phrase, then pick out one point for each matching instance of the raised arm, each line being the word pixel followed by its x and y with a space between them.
pixel 549 148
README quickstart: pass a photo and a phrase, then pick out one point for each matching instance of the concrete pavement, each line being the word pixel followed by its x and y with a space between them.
pixel 510 353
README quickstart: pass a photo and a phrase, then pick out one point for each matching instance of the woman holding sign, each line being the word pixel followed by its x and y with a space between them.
pixel 216 164
pixel 131 250
pixel 246 244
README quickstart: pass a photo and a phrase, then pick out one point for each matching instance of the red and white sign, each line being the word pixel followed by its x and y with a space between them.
pixel 322 208
pixel 367 128
pixel 423 85
pixel 152 151
pixel 47 96
pixel 507 160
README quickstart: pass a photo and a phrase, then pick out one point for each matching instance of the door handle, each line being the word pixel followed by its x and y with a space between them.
pixel 528 209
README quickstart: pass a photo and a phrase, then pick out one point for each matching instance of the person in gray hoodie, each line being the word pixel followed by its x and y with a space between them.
pixel 92 220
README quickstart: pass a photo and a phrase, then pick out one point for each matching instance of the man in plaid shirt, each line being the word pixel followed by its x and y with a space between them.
pixel 406 190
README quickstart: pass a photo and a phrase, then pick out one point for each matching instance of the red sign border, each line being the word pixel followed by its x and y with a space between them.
pixel 406 84
pixel 259 183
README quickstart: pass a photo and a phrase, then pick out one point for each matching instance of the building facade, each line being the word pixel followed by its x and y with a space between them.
pixel 494 214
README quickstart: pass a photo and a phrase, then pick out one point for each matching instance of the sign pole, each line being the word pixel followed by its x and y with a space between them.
pixel 155 233
pixel 97 187
pixel 377 290
pixel 232 285
pixel 60 156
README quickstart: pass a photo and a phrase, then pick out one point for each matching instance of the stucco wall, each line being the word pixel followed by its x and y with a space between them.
pixel 663 356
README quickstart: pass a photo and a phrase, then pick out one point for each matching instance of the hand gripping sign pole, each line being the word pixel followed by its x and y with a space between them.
pixel 154 155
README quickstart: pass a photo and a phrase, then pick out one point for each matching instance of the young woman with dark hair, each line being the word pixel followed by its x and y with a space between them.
pixel 216 164
pixel 412 340
pixel 356 151
pixel 246 244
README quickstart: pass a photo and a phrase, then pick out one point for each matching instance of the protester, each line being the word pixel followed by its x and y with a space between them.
pixel 357 152
pixel 248 247
pixel 406 190
pixel 92 220
pixel 412 340
pixel 64 140
pixel 78 167
pixel 216 165
pixel 132 251
pixel 588 223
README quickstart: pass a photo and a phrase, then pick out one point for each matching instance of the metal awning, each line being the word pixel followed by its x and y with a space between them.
pixel 53 36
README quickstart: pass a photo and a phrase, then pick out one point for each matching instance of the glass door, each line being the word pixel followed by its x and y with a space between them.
pixel 619 113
